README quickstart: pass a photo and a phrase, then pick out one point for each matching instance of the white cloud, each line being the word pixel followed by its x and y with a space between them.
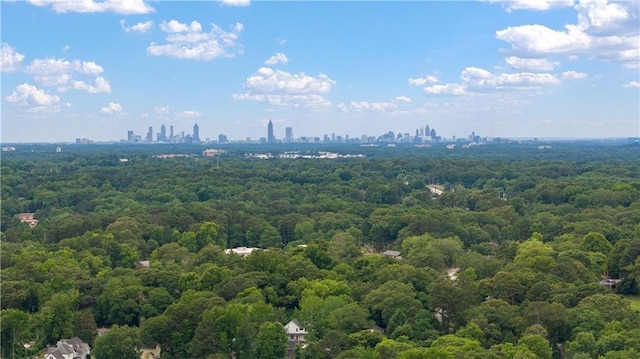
pixel 604 31
pixel 188 114
pixel 307 101
pixel 530 64
pixel 385 106
pixel 359 106
pixel 573 75
pixel 278 58
pixel 168 112
pixel 111 109
pixel 36 99
pixel 188 42
pixel 539 5
pixel 64 74
pixel 421 81
pixel 162 110
pixel 174 26
pixel 141 27
pixel 478 80
pixel 447 89
pixel 235 2
pixel 281 41
pixel 268 80
pixel 599 16
pixel 541 40
pixel 635 84
pixel 123 7
pixel 101 85
pixel 280 88
pixel 403 98
pixel 10 59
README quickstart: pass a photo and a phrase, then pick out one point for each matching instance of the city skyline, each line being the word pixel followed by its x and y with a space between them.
pixel 508 69
pixel 422 134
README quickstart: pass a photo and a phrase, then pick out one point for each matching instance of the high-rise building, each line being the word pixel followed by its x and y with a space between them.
pixel 130 136
pixel 427 131
pixel 149 137
pixel 196 133
pixel 171 132
pixel 162 137
pixel 270 137
pixel 288 134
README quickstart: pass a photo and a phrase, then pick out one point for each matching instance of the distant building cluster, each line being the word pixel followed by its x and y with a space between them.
pixel 297 154
pixel 163 137
pixel 422 135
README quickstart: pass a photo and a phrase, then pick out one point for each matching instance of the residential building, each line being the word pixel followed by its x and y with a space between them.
pixel 150 351
pixel 73 348
pixel 27 218
pixel 392 254
pixel 241 251
pixel 296 334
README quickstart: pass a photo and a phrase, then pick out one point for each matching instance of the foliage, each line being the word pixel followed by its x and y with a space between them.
pixel 506 263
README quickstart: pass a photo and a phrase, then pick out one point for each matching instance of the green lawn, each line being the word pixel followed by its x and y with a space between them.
pixel 635 302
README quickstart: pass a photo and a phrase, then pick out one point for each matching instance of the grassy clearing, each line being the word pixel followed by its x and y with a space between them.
pixel 635 302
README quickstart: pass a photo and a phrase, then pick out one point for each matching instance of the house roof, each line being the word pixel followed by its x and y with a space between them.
pixel 391 253
pixel 55 354
pixel 295 323
pixel 75 341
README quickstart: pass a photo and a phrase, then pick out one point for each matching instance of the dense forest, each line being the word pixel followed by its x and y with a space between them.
pixel 526 252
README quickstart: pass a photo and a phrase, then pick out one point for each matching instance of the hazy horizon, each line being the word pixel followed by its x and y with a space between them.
pixel 512 69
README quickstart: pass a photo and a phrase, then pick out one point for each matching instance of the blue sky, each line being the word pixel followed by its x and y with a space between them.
pixel 95 69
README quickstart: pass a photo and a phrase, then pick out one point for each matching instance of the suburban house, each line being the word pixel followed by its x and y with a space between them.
pixel 73 348
pixel 27 218
pixel 296 334
pixel 150 351
pixel 241 251
pixel 392 254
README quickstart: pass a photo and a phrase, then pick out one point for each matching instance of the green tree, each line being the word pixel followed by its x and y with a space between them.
pixel 537 344
pixel 596 242
pixel 57 318
pixel 14 330
pixel 271 341
pixel 535 254
pixel 117 343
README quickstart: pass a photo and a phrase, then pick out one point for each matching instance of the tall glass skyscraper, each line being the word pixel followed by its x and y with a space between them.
pixel 196 133
pixel 288 134
pixel 270 138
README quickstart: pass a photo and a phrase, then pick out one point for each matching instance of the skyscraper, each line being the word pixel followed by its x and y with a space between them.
pixel 130 136
pixel 149 137
pixel 288 134
pixel 196 133
pixel 171 132
pixel 270 138
pixel 163 134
